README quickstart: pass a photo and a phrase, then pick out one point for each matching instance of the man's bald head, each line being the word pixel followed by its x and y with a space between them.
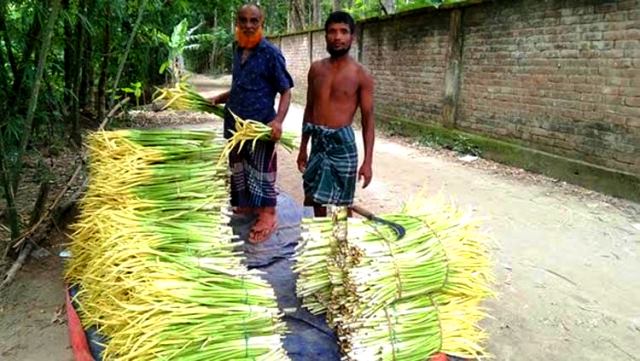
pixel 249 25
pixel 251 9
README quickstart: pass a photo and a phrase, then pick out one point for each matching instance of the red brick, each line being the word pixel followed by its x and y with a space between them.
pixel 582 10
pixel 630 91
pixel 634 15
pixel 611 90
pixel 602 45
pixel 615 35
pixel 632 102
pixel 592 36
pixel 628 4
pixel 617 16
pixel 606 7
pixel 633 123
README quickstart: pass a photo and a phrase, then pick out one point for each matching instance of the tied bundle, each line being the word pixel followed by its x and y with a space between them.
pixel 254 131
pixel 184 97
pixel 403 299
pixel 154 259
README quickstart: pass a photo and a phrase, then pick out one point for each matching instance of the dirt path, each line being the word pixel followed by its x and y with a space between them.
pixel 567 259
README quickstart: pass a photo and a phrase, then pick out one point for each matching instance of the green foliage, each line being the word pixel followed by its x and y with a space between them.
pixel 434 139
pixel 361 9
pixel 458 143
pixel 181 39
pixel 135 89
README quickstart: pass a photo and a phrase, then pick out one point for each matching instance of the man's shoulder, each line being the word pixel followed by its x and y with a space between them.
pixel 319 63
pixel 269 47
pixel 362 71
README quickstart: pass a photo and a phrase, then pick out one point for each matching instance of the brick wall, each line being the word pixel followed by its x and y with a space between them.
pixel 296 52
pixel 562 76
pixel 406 59
pixel 319 46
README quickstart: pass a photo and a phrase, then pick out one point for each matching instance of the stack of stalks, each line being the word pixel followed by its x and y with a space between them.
pixel 154 259
pixel 404 299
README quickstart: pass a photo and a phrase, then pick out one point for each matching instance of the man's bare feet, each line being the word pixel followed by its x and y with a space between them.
pixel 265 225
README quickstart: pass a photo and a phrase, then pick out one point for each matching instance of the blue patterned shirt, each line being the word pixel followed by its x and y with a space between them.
pixel 255 84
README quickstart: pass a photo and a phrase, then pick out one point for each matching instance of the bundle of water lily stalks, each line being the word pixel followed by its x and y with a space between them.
pixel 399 299
pixel 183 96
pixel 253 131
pixel 154 259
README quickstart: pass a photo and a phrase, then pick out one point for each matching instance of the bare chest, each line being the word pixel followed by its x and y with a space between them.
pixel 336 84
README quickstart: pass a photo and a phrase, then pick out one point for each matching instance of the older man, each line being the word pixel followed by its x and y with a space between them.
pixel 259 74
pixel 338 86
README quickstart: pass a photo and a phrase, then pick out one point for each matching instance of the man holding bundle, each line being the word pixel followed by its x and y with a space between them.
pixel 337 86
pixel 259 73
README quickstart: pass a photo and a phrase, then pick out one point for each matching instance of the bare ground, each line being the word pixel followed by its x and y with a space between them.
pixel 566 258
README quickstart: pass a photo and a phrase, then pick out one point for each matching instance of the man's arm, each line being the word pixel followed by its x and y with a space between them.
pixel 283 108
pixel 308 109
pixel 368 127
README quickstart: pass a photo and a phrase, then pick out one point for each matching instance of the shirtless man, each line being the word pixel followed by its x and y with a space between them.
pixel 337 86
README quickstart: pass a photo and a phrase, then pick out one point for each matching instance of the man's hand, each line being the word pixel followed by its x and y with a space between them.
pixel 365 174
pixel 219 99
pixel 302 160
pixel 276 130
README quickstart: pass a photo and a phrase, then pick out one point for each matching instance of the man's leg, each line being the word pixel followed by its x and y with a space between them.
pixel 264 161
pixel 319 210
pixel 238 179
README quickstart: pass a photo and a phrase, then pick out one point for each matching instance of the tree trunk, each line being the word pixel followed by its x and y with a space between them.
pixel 39 206
pixel 86 87
pixel 9 196
pixel 77 75
pixel 33 35
pixel 5 82
pixel 33 99
pixel 336 5
pixel 143 4
pixel 296 15
pixel 101 101
pixel 7 42
pixel 317 12
pixel 68 59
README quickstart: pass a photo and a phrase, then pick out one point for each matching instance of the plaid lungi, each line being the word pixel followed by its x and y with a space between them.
pixel 253 175
pixel 330 176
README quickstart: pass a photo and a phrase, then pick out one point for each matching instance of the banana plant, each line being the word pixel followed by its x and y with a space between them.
pixel 181 39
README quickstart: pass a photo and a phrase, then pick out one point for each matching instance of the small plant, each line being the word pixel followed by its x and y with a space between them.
pixel 457 143
pixel 135 89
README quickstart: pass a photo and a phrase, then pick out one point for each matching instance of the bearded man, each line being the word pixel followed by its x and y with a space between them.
pixel 259 74
pixel 338 85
